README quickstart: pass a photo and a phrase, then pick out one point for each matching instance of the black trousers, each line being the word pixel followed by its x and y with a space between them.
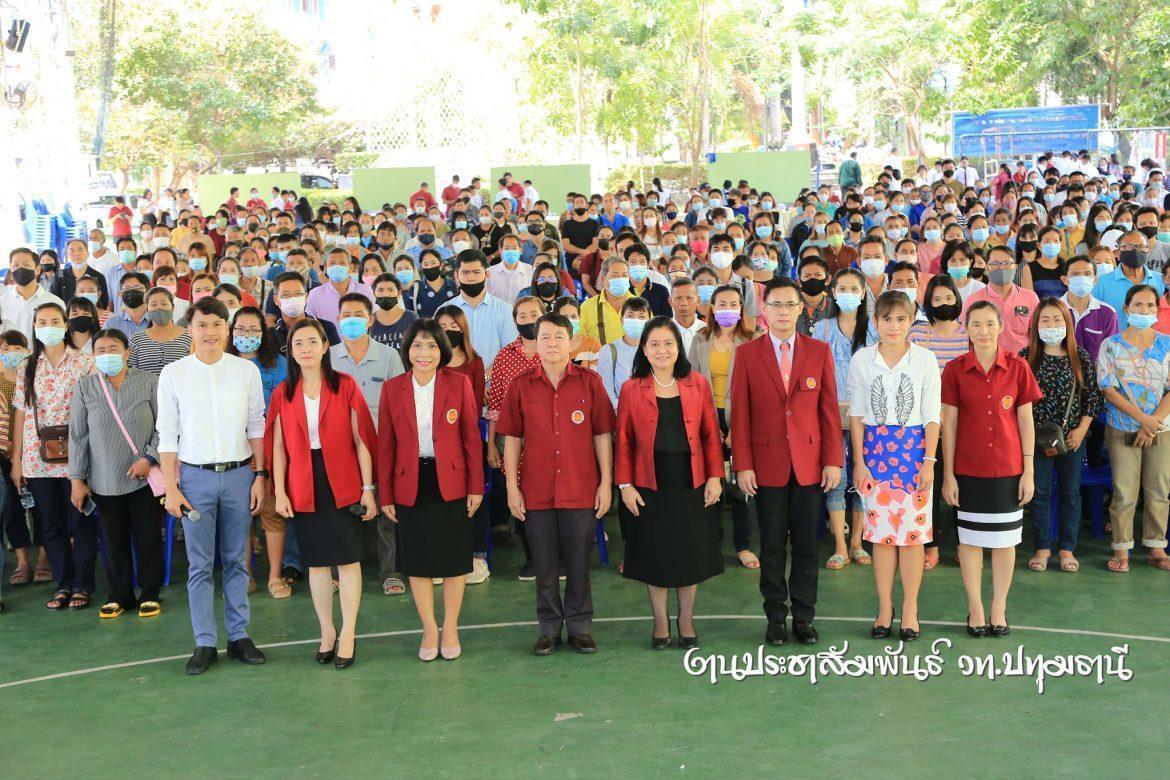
pixel 135 519
pixel 562 535
pixel 500 514
pixel 69 537
pixel 15 518
pixel 789 513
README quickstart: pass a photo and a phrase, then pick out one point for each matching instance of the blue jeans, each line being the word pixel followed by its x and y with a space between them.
pixel 836 499
pixel 1068 482
pixel 222 501
pixel 292 550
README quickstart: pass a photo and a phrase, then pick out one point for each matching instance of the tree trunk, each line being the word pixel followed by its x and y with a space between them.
pixel 579 99
pixel 109 40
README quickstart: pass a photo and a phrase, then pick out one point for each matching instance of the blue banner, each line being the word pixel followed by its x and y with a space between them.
pixel 1004 132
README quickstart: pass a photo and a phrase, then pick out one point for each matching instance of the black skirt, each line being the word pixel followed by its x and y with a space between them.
pixel 328 536
pixel 674 541
pixel 435 536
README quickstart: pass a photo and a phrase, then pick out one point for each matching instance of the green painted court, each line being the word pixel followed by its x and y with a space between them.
pixel 110 699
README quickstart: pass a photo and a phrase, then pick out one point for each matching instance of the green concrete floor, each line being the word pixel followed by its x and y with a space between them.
pixel 498 711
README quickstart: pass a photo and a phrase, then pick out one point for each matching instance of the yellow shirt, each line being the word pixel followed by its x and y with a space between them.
pixel 720 362
pixel 610 318
pixel 1069 240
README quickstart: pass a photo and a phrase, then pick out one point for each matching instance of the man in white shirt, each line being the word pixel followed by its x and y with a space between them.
pixel 530 195
pixel 684 301
pixel 966 175
pixel 211 421
pixel 19 300
pixel 100 256
pixel 507 278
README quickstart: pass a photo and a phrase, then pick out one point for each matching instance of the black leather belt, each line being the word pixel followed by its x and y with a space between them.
pixel 219 468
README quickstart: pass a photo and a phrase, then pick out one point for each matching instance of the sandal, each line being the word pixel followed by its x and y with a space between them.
pixel 748 559
pixel 110 610
pixel 929 563
pixel 1070 564
pixel 836 561
pixel 1039 562
pixel 860 556
pixel 291 575
pixel 79 600
pixel 59 601
pixel 149 609
pixel 1118 565
pixel 279 589
pixel 1162 563
pixel 392 586
pixel 21 576
pixel 42 574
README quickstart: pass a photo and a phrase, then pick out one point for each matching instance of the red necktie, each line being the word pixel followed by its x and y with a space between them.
pixel 785 363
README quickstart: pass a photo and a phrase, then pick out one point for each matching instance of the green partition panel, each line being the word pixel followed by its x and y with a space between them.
pixel 551 181
pixel 214 188
pixel 781 173
pixel 374 186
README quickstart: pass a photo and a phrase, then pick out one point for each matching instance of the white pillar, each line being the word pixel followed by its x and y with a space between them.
pixel 798 134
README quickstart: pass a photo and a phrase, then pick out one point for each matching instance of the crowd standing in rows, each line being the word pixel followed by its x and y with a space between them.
pixel 947 349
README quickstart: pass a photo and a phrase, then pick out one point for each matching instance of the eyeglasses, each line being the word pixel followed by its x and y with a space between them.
pixel 248 332
pixel 777 306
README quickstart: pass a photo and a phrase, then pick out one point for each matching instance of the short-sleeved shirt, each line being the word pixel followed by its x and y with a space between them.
pixel 392 335
pixel 378 364
pixel 54 390
pixel 1112 287
pixel 1146 374
pixel 580 232
pixel 510 363
pixel 1017 309
pixel 945 348
pixel 559 468
pixel 987 440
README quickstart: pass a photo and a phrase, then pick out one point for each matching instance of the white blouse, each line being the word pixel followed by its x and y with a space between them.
pixel 908 394
pixel 424 415
pixel 313 421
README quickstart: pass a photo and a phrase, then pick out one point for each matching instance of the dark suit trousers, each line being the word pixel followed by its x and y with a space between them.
pixel 789 513
pixel 562 535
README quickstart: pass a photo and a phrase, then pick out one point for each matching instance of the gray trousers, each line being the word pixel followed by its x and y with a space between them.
pixel 387 548
pixel 557 535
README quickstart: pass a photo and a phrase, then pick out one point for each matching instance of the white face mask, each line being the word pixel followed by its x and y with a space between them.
pixel 293 307
pixel 459 246
pixel 721 260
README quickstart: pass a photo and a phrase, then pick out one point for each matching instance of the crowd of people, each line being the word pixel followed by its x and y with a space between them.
pixel 923 356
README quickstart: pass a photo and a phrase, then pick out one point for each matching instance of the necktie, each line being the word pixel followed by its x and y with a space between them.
pixel 785 363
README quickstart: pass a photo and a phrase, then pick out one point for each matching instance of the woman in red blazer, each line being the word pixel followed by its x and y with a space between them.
pixel 320 439
pixel 430 476
pixel 668 465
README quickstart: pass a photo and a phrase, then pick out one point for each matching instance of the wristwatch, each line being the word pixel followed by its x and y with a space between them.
pixel 260 473
pixel 624 485
pixel 369 488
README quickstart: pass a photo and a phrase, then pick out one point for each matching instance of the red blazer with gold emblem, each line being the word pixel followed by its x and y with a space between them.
pixel 637 425
pixel 455 430
pixel 777 433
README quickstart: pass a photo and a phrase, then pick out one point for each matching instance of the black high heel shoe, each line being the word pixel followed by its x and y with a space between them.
pixel 686 642
pixel 659 642
pixel 882 632
pixel 907 634
pixel 345 663
pixel 976 631
pixel 1000 631
pixel 326 657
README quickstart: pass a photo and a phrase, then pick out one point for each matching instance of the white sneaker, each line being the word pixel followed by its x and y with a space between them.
pixel 479 571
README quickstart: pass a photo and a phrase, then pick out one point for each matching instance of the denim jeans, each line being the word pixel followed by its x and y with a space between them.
pixel 1067 468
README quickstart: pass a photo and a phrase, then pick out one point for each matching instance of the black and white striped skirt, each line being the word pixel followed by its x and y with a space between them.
pixel 989 514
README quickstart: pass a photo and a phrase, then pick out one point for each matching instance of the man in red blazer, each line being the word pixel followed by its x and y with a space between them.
pixel 786 451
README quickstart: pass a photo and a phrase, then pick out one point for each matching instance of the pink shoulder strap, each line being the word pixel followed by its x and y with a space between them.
pixel 117 418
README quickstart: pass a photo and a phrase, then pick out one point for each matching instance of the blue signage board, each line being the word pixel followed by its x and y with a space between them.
pixel 1011 131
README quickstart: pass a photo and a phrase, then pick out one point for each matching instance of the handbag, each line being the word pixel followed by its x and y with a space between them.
pixel 1050 435
pixel 54 440
pixel 154 478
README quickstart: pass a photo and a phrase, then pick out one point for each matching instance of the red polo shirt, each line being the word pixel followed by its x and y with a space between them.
pixel 425 196
pixel 120 216
pixel 987 441
pixel 559 468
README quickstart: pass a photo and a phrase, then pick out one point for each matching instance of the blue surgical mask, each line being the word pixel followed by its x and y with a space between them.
pixel 233 279
pixel 959 271
pixel 639 272
pixel 353 327
pixel 738 242
pixel 1050 250
pixel 980 235
pixel 246 344
pixel 197 264
pixel 337 273
pixel 618 287
pixel 91 297
pixel 278 255
pixel 895 234
pixel 1080 286
pixel 705 292
pixel 764 231
pixel 126 256
pixel 1101 224
pixel 11 360
pixel 50 335
pixel 510 256
pixel 932 235
pixel 633 327
pixel 720 227
pixel 1002 230
pixel 405 278
pixel 1142 321
pixel 847 302
pixel 110 365
pixel 879 205
pixel 460 224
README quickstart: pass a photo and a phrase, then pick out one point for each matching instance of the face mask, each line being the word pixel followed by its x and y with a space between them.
pixel 873 267
pixel 527 331
pixel 878 205
pixel 50 336
pixel 547 289
pixel 1050 250
pixel 699 246
pixel 133 298
pixel 126 256
pixel 819 229
pixel 251 271
pixel 279 256
pixel 352 327
pixel 24 276
pixel 1028 246
pixel 737 243
pixel 1149 231
pixel 91 297
pixel 1002 230
pixel 83 323
pixel 432 273
pixel 946 312
pixel 895 234
pixel 1133 258
pixel 426 239
pixel 11 360
pixel 727 318
pixel 909 292
pixel 856 226
pixel 1163 236
pixel 713 203
pixel 721 260
pixel 1125 226
pixel 932 235
pixel 246 344
pixel 720 227
pixel 1142 321
pixel 618 287
pixel 979 235
pixel 580 212
pixel 848 302
pixel 233 279
pixel 1002 276
pixel 1052 336
pixel 836 241
pixel 293 307
pixel 1103 269
pixel 110 365
pixel 197 264
pixel 455 337
pixel 633 327
pixel 472 289
pixel 639 273
pixel 595 217
pixel 95 246
pixel 1101 224
pixel 337 273
pixel 1080 286
pixel 766 205
pixel 510 256
pixel 959 271
pixel 705 292
pixel 764 231
pixel 812 286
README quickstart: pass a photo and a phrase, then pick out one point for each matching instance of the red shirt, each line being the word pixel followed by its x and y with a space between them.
pixel 987 440
pixel 475 374
pixel 120 218
pixel 425 196
pixel 256 203
pixel 450 194
pixel 517 191
pixel 638 426
pixel 559 469
pixel 510 363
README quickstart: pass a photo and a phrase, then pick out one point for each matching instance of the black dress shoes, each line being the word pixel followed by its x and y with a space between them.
pixel 907 634
pixel 202 659
pixel 1003 630
pixel 882 632
pixel 327 656
pixel 777 633
pixel 546 645
pixel 686 642
pixel 345 663
pixel 583 643
pixel 659 642
pixel 245 651
pixel 976 631
pixel 804 632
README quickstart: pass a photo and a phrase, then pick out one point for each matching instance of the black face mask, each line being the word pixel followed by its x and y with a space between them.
pixel 978 274
pixel 546 289
pixel 23 276
pixel 386 302
pixel 83 323
pixel 856 226
pixel 49 268
pixel 1132 258
pixel 603 244
pixel 1028 246
pixel 948 173
pixel 812 286
pixel 455 337
pixel 535 229
pixel 1149 231
pixel 580 212
pixel 527 331
pixel 498 215
pixel 133 298
pixel 946 312
pixel 472 289
pixel 385 247
pixel 426 239
pixel 432 273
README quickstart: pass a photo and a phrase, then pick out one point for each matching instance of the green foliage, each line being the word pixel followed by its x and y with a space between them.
pixel 317 197
pixel 673 176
